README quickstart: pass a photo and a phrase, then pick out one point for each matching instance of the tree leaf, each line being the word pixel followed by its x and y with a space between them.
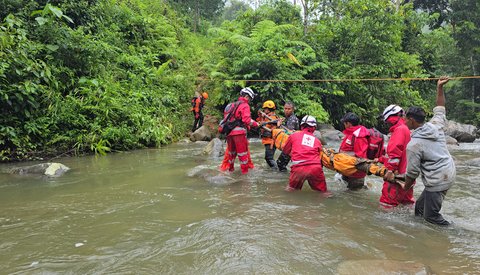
pixel 41 20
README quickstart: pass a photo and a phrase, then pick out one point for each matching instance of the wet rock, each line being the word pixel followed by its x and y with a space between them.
pixel 211 123
pixel 331 135
pixel 322 126
pixel 318 135
pixel 214 148
pixel 201 134
pixel 451 141
pixel 370 267
pixel 185 140
pixel 51 169
pixel 461 132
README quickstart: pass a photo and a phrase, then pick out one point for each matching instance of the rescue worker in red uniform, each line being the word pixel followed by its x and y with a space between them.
pixel 355 143
pixel 396 159
pixel 237 143
pixel 304 150
pixel 264 118
pixel 197 106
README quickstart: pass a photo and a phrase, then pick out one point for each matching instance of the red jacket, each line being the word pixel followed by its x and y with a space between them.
pixel 355 146
pixel 355 143
pixel 243 113
pixel 396 158
pixel 303 147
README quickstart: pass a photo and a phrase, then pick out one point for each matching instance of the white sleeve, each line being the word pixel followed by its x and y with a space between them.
pixel 439 118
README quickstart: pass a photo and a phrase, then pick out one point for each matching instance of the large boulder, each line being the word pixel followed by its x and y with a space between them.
pixel 331 135
pixel 214 148
pixel 370 267
pixel 211 123
pixel 201 134
pixel 461 132
pixel 319 136
pixel 322 126
pixel 451 141
pixel 50 169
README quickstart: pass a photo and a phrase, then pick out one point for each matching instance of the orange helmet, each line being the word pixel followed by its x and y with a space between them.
pixel 205 95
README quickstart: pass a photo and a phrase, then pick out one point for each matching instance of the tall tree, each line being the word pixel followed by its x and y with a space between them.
pixel 466 31
pixel 198 9
pixel 233 9
pixel 439 8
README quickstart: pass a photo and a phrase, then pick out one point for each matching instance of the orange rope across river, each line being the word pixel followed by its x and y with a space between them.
pixel 343 80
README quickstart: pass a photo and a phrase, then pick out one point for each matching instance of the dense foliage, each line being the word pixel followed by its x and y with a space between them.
pixel 92 76
pixel 108 75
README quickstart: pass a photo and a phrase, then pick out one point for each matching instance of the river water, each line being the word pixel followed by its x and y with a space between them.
pixel 169 211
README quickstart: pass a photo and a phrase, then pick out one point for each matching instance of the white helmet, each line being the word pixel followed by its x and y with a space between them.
pixel 247 91
pixel 309 120
pixel 391 110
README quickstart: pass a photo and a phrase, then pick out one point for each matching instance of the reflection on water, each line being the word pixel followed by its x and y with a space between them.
pixel 170 211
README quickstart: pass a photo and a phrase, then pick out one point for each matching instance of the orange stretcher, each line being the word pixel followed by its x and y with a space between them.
pixel 342 163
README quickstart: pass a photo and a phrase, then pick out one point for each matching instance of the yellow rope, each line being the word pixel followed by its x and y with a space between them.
pixel 343 80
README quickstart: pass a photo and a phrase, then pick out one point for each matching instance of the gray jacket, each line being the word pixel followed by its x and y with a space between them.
pixel 427 154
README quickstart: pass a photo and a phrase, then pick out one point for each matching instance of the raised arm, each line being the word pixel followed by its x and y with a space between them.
pixel 440 94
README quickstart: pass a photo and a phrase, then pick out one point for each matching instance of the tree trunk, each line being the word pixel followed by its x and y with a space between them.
pixel 305 16
pixel 472 62
pixel 195 24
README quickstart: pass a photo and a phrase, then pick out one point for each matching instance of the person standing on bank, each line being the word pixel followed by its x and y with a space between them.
pixel 428 156
pixel 291 123
pixel 396 159
pixel 355 143
pixel 197 105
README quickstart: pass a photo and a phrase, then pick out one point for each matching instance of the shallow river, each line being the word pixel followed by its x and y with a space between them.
pixel 169 211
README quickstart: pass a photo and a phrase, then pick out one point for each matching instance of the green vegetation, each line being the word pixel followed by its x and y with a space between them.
pixel 95 76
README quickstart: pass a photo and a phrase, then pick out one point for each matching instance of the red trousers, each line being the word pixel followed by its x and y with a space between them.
pixel 393 195
pixel 238 145
pixel 313 173
pixel 226 165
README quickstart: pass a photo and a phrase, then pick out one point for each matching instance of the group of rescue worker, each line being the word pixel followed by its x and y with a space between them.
pixel 415 148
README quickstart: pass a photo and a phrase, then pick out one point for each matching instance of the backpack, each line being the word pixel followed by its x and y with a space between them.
pixel 227 125
pixel 375 143
pixel 194 102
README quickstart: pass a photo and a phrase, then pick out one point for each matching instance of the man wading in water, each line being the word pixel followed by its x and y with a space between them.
pixel 428 156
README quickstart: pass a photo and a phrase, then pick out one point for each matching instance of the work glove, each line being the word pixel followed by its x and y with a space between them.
pixel 389 176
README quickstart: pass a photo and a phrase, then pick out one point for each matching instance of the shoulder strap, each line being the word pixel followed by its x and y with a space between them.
pixel 233 111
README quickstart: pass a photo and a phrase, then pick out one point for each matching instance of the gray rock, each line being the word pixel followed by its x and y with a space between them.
pixel 319 136
pixel 451 140
pixel 322 126
pixel 201 134
pixel 214 148
pixel 372 267
pixel 461 132
pixel 331 135
pixel 50 169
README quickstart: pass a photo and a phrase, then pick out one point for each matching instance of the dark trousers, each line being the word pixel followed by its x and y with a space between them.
pixel 283 161
pixel 198 122
pixel 428 206
pixel 354 183
pixel 269 153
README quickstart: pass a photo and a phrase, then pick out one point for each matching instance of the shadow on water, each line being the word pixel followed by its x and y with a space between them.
pixel 170 210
